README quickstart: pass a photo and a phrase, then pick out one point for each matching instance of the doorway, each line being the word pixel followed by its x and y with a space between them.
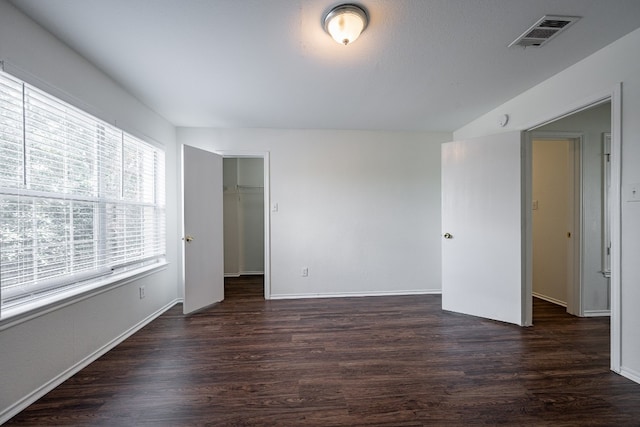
pixel 570 226
pixel 553 219
pixel 243 192
pixel 483 295
pixel 246 222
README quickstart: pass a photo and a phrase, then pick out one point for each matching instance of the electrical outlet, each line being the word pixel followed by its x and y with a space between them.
pixel 141 292
pixel 305 272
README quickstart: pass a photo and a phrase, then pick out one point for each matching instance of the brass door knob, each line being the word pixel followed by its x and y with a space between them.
pixel 448 236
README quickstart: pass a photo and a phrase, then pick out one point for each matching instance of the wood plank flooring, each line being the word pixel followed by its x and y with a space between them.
pixel 383 361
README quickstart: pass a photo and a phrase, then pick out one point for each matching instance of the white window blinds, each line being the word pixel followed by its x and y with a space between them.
pixel 79 198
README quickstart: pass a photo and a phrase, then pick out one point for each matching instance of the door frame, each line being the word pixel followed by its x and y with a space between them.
pixel 574 288
pixel 264 155
pixel 613 95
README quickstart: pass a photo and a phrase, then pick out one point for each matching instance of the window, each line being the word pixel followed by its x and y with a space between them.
pixel 79 198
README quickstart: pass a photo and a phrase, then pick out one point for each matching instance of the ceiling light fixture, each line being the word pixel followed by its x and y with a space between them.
pixel 345 23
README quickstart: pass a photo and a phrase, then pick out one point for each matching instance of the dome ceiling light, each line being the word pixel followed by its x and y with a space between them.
pixel 345 23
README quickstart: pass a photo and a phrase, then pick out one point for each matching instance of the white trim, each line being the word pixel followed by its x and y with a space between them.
pixel 267 211
pixel 526 192
pixel 576 305
pixel 183 233
pixel 36 394
pixel 549 299
pixel 616 228
pixel 597 313
pixel 359 294
pixel 628 373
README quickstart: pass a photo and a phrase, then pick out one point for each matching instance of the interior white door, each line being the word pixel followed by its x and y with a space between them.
pixel 483 245
pixel 203 229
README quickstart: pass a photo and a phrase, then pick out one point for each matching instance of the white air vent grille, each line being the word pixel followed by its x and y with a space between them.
pixel 544 30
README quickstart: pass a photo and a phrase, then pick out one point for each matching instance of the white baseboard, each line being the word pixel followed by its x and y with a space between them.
pixel 549 299
pixel 631 374
pixel 597 313
pixel 30 398
pixel 358 294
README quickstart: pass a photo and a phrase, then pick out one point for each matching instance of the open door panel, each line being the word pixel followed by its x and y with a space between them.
pixel 203 229
pixel 483 233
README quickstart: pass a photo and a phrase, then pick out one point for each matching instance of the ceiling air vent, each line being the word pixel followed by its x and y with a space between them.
pixel 544 30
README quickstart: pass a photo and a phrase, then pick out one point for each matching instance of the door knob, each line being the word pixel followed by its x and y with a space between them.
pixel 448 236
pixel 188 239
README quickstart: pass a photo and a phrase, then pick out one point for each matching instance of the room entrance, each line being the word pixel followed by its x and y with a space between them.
pixel 247 220
pixel 475 224
pixel 554 231
pixel 203 256
pixel 243 193
pixel 569 212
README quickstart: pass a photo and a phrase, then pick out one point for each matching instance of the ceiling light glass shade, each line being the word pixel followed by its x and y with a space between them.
pixel 345 23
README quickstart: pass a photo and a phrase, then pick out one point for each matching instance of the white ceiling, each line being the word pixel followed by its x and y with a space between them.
pixel 420 65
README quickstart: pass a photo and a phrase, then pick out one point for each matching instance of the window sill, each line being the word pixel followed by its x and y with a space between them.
pixel 30 310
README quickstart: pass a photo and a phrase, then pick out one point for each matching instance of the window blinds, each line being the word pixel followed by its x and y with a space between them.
pixel 79 198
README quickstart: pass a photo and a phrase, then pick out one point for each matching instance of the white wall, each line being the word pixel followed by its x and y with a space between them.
pixel 250 172
pixel 360 209
pixel 591 123
pixel 595 75
pixel 37 354
pixel 229 173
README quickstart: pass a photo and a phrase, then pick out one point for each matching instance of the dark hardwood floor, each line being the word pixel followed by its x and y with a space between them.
pixel 385 361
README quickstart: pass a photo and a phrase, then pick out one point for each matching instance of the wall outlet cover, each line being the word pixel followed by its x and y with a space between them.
pixel 632 193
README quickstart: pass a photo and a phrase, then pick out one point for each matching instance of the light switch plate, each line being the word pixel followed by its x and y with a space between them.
pixel 632 193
